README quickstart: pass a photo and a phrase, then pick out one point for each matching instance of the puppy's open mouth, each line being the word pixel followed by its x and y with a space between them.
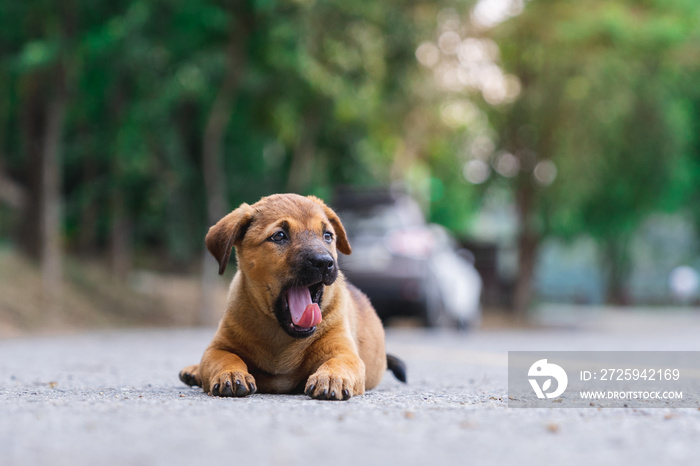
pixel 302 312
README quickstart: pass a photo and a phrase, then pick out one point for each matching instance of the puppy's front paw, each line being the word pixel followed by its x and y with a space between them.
pixel 190 376
pixel 328 386
pixel 233 384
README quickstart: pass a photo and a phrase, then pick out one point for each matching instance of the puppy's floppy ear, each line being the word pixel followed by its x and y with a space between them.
pixel 227 233
pixel 341 236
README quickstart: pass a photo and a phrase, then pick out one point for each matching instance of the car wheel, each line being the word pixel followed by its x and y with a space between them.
pixel 434 314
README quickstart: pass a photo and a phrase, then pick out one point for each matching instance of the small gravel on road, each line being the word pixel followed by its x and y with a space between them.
pixel 113 398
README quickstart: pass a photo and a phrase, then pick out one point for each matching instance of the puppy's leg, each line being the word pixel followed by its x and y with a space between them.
pixel 225 374
pixel 338 377
pixel 190 376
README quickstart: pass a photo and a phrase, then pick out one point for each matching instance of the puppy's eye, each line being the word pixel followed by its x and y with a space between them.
pixel 328 237
pixel 279 237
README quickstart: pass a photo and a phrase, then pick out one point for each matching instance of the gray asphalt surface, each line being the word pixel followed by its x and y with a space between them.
pixel 113 398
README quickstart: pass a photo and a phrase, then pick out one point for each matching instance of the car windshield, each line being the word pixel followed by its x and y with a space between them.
pixel 377 220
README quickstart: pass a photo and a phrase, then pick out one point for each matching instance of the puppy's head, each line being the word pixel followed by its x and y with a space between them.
pixel 287 249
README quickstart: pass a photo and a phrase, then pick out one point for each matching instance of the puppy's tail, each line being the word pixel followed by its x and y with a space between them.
pixel 397 367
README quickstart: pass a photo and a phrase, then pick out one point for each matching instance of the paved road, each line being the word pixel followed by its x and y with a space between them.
pixel 113 398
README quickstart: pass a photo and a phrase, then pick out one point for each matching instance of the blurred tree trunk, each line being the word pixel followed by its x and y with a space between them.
pixel 43 118
pixel 90 213
pixel 45 96
pixel 50 191
pixel 616 262
pixel 301 170
pixel 528 247
pixel 32 124
pixel 121 224
pixel 531 214
pixel 212 144
pixel 119 238
pixel 50 214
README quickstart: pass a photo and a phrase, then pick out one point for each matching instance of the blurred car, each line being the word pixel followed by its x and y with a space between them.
pixel 406 266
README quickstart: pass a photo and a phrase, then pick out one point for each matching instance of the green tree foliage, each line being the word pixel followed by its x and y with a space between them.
pixel 273 95
pixel 600 99
pixel 176 111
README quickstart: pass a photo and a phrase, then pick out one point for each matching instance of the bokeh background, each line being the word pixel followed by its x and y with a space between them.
pixel 558 140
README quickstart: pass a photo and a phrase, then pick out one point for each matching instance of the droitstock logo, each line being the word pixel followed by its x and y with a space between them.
pixel 604 379
pixel 543 370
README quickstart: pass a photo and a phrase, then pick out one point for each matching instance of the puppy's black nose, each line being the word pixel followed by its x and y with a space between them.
pixel 322 262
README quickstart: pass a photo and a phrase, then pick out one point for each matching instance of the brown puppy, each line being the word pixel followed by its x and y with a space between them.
pixel 292 322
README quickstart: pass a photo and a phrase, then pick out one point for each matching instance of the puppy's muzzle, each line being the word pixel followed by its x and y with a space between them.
pixel 324 265
pixel 314 266
pixel 313 270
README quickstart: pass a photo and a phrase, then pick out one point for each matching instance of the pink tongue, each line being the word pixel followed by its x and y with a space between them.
pixel 304 312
